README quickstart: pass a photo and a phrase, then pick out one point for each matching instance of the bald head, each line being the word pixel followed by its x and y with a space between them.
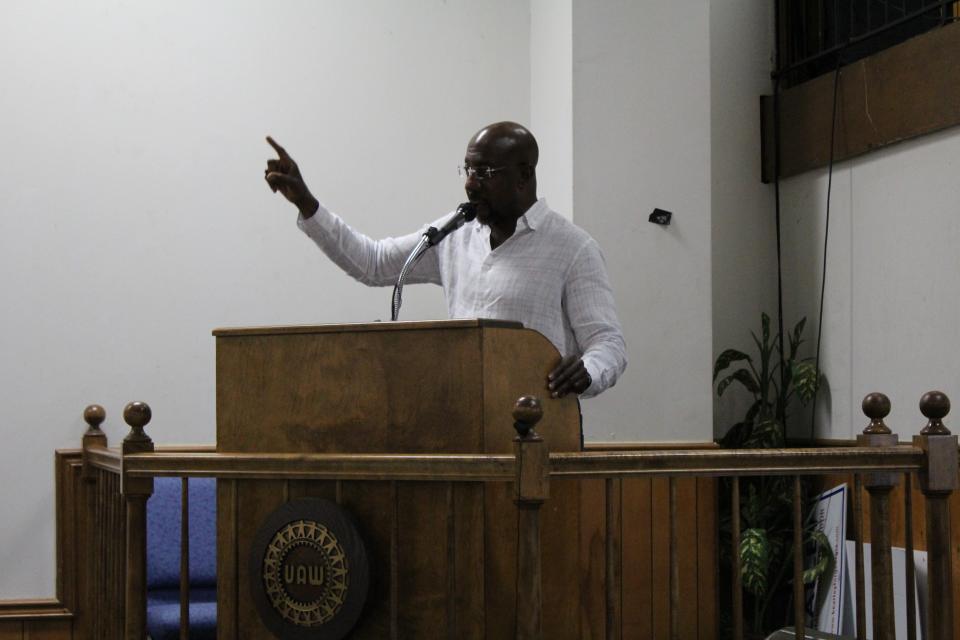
pixel 509 141
pixel 508 185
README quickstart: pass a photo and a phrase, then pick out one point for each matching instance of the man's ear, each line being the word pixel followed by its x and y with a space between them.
pixel 527 173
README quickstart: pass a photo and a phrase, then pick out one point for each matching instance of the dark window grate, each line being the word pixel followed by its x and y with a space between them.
pixel 814 35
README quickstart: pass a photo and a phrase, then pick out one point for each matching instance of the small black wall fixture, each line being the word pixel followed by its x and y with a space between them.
pixel 659 216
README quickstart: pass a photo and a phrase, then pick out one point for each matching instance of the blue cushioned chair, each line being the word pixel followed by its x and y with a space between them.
pixel 163 559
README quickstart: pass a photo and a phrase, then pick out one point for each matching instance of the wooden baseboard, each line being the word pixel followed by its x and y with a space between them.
pixel 34 609
pixel 600 445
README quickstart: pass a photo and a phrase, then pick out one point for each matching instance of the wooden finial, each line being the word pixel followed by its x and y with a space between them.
pixel 527 412
pixel 137 415
pixel 935 405
pixel 94 415
pixel 876 406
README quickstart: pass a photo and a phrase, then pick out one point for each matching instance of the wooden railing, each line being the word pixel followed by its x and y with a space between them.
pixel 120 480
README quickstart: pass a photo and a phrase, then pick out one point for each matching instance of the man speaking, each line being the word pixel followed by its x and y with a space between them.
pixel 518 260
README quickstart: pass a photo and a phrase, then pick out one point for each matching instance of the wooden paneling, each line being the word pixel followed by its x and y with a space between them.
pixel 257 499
pixel 592 559
pixel 423 561
pixel 707 566
pixel 446 565
pixel 36 629
pixel 641 537
pixel 44 630
pixel 54 618
pixel 372 504
pixel 228 561
pixel 644 548
pixel 871 109
pixel 637 562
pixel 469 561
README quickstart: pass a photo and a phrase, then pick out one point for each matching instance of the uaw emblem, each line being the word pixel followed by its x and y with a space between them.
pixel 309 573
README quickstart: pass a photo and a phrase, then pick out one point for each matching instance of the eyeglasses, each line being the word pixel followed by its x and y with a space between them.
pixel 480 173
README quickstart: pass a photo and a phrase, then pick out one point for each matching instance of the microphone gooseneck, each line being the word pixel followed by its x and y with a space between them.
pixel 466 212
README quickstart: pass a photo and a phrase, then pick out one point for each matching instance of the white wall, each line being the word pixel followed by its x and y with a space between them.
pixel 893 278
pixel 743 222
pixel 134 218
pixel 641 123
pixel 551 99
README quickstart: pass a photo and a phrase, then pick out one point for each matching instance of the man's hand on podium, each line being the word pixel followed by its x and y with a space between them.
pixel 283 175
pixel 569 376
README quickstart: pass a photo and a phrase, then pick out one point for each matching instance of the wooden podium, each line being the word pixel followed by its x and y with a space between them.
pixel 442 554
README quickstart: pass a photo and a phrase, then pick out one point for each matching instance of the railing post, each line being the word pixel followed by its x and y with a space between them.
pixel 938 480
pixel 136 491
pixel 93 588
pixel 876 406
pixel 532 488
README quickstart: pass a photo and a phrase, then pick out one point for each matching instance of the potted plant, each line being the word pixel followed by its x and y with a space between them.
pixel 774 380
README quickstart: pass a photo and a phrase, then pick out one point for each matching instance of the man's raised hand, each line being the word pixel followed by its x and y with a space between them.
pixel 283 175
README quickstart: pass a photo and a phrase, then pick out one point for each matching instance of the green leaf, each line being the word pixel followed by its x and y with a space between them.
pixel 825 563
pixel 743 376
pixel 754 561
pixel 765 323
pixel 766 434
pixel 756 341
pixel 795 339
pixel 805 380
pixel 727 358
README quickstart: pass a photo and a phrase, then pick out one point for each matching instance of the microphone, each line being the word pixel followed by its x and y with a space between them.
pixel 466 212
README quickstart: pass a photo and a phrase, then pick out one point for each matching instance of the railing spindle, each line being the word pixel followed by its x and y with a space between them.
pixel 877 406
pixel 735 555
pixel 184 558
pixel 108 550
pixel 674 564
pixel 394 560
pixel 938 481
pixel 116 554
pixel 451 561
pixel 908 552
pixel 861 604
pixel 799 600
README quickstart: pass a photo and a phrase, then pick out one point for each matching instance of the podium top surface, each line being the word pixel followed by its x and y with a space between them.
pixel 366 326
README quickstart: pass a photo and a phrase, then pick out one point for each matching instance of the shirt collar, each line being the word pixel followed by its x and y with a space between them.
pixel 531 218
pixel 534 215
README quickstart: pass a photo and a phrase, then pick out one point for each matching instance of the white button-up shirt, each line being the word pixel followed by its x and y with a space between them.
pixel 549 275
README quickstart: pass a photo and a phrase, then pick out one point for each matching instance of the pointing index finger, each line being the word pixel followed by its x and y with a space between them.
pixel 276 147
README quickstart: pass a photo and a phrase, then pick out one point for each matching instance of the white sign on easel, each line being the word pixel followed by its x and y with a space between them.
pixel 830 513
